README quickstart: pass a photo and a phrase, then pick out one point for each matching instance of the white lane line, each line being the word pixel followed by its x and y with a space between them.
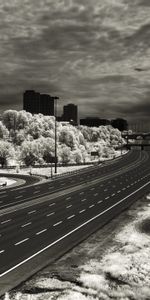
pixel 52 213
pixel 36 192
pixel 81 193
pixel 107 198
pixel 27 224
pixel 70 217
pixel 105 190
pixel 81 211
pixel 71 232
pixel 41 231
pixel 83 200
pixel 100 201
pixel 31 212
pixel 69 206
pixel 2 251
pixel 91 205
pixel 124 189
pixel 58 223
pixel 92 189
pixel 68 198
pixel 52 204
pixel 113 194
pixel 118 191
pixel 6 221
pixel 128 186
pixel 23 241
pixel 96 194
pixel 17 197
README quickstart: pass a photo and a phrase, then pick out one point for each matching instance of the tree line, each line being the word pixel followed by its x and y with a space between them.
pixel 30 139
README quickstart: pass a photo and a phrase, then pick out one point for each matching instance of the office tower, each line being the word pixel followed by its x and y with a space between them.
pixel 70 113
pixel 31 101
pixel 94 122
pixel 46 105
pixel 36 103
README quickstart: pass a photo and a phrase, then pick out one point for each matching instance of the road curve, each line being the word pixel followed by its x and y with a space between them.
pixel 34 235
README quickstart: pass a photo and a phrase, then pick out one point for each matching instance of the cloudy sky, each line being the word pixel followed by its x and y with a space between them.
pixel 87 52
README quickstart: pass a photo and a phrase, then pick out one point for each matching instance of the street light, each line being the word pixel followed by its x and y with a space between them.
pixel 55 115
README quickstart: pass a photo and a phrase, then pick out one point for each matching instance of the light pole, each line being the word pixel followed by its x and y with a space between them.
pixel 55 115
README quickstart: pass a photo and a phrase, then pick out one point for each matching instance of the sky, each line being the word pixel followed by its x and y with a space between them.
pixel 93 53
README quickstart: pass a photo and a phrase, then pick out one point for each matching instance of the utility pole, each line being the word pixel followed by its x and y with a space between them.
pixel 55 114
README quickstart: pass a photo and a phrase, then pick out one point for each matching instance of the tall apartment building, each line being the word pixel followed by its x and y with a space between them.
pixel 35 103
pixel 70 113
pixel 31 101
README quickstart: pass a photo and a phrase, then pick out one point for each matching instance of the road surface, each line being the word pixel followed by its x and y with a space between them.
pixel 36 232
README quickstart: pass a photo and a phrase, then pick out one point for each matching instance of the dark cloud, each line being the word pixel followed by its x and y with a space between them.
pixel 83 51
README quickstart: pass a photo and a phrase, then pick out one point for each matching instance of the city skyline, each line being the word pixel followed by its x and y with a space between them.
pixel 95 55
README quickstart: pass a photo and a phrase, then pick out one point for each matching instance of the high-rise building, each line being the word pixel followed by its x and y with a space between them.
pixel 94 122
pixel 31 101
pixel 46 105
pixel 36 103
pixel 70 113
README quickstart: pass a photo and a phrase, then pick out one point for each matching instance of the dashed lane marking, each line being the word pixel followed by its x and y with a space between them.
pixel 36 192
pixel 81 193
pixel 69 206
pixel 6 221
pixel 68 198
pixel 21 242
pixel 118 192
pixel 95 194
pixel 107 198
pixel 70 217
pixel 52 213
pixel 91 205
pixel 42 231
pixel 81 211
pixel 113 194
pixel 83 200
pixel 27 224
pixel 31 212
pixel 17 197
pixel 2 251
pixel 100 201
pixel 58 223
pixel 52 204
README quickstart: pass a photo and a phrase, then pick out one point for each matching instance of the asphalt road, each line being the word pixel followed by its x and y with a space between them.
pixel 15 195
pixel 34 234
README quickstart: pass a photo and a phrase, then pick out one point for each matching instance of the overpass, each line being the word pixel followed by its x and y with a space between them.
pixel 137 140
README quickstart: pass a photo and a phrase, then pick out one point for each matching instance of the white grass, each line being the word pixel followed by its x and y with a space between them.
pixel 4 180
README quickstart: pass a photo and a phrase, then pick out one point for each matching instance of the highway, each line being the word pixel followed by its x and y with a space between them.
pixel 64 212
pixel 12 196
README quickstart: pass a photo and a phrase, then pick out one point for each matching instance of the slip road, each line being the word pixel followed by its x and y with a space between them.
pixel 33 235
